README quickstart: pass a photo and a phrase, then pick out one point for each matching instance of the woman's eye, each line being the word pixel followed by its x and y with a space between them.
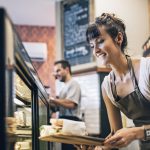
pixel 91 45
pixel 100 41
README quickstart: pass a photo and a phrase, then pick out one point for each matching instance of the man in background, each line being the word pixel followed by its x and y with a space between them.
pixel 69 99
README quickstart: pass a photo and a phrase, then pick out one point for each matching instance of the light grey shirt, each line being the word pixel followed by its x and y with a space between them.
pixel 71 91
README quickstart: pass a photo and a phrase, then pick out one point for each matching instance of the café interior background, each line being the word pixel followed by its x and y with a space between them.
pixel 37 21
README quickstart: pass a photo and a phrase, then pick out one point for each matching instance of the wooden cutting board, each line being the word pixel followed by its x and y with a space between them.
pixel 73 139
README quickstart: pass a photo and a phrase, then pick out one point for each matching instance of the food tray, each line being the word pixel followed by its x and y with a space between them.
pixel 73 139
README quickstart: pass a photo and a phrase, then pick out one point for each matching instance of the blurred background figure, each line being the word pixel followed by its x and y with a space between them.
pixel 69 100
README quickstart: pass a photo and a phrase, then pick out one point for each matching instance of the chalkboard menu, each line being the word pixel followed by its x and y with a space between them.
pixel 76 19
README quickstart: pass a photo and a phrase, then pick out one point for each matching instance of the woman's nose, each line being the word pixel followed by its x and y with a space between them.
pixel 96 51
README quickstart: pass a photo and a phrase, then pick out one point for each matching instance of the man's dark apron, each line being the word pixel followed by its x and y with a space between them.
pixel 135 106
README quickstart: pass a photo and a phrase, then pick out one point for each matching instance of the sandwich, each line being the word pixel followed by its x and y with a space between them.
pixel 63 127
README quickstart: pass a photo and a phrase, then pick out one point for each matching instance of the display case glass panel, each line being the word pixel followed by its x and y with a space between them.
pixel 23 114
pixel 43 115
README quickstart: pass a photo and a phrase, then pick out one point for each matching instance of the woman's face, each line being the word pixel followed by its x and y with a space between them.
pixel 104 48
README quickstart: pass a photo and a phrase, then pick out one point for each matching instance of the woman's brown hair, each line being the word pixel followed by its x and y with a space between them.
pixel 113 26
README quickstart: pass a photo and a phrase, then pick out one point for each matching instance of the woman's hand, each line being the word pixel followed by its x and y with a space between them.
pixel 123 137
pixel 109 135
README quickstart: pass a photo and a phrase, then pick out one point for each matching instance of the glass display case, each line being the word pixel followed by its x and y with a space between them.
pixel 22 114
pixel 23 98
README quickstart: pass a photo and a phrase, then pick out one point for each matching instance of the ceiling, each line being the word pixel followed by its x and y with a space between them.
pixel 30 12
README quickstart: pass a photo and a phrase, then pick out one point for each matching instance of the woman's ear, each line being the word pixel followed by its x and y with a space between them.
pixel 119 38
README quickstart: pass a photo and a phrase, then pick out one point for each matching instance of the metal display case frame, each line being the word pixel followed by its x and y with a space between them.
pixel 14 59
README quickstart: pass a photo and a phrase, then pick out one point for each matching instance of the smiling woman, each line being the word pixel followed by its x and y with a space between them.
pixel 112 26
pixel 106 33
pixel 122 89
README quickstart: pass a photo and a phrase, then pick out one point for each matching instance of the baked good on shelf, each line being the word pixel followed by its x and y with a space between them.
pixel 11 125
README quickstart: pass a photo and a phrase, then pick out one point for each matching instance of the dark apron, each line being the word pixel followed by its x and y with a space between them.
pixel 135 106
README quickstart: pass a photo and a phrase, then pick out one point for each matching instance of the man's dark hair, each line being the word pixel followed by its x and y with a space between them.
pixel 64 64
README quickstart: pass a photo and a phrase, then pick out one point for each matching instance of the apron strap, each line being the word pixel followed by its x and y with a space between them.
pixel 132 73
pixel 113 86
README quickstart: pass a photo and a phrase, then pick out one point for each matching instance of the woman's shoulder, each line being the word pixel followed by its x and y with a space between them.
pixel 142 68
pixel 143 62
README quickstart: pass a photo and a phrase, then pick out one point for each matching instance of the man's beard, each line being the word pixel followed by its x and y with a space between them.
pixel 63 79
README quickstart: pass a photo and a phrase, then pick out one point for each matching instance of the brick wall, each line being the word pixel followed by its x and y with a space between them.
pixel 46 35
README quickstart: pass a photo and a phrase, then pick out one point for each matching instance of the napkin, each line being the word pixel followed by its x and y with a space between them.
pixel 73 127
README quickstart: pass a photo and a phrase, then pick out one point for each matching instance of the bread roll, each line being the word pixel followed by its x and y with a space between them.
pixel 46 130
